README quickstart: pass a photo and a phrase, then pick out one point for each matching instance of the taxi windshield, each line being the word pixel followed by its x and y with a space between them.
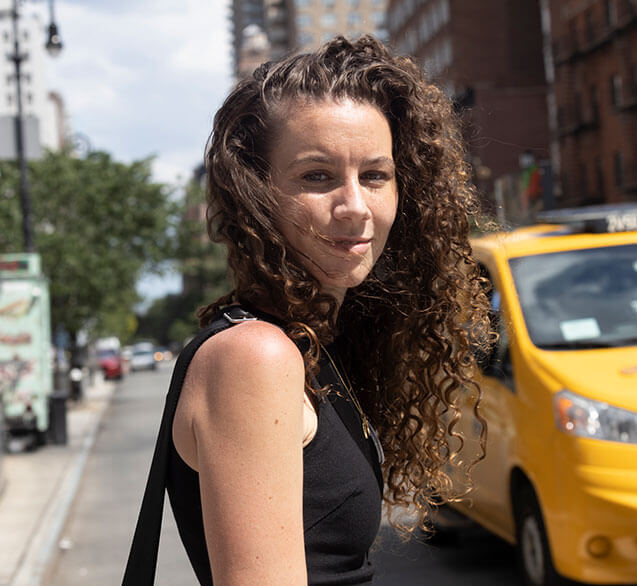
pixel 584 298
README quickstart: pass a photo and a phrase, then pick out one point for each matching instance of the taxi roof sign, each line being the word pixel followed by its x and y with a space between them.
pixel 597 219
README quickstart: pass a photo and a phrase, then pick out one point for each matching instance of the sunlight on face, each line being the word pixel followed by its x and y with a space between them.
pixel 333 167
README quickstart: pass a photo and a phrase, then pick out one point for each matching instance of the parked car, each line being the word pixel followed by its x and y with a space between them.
pixel 143 357
pixel 110 361
pixel 560 396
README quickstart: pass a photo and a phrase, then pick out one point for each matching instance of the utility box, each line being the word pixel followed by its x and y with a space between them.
pixel 26 373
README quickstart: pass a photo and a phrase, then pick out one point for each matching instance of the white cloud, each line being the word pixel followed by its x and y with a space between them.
pixel 170 168
pixel 144 77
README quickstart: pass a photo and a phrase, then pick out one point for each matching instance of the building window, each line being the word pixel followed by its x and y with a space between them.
pixel 447 52
pixel 304 38
pixel 302 3
pixel 590 31
pixel 577 98
pixel 378 18
pixel 329 4
pixel 445 11
pixel 616 90
pixel 327 36
pixel 424 30
pixel 328 20
pixel 353 3
pixel 583 180
pixel 599 177
pixel 383 35
pixel 412 41
pixel 9 99
pixel 619 169
pixel 435 18
pixel 353 19
pixel 303 20
pixel 611 12
pixel 572 30
pixel 401 14
pixel 594 104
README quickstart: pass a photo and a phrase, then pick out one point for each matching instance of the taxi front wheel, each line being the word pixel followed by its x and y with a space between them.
pixel 534 556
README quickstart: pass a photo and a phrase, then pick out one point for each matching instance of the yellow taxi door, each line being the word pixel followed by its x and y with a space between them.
pixel 490 499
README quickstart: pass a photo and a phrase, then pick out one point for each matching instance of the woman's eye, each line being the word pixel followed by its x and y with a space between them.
pixel 374 176
pixel 315 177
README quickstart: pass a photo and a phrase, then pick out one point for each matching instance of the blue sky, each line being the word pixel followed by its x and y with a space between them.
pixel 143 77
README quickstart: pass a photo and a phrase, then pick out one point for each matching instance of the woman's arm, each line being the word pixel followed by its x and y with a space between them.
pixel 239 423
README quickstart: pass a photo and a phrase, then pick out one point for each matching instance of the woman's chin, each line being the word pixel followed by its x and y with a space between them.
pixel 338 286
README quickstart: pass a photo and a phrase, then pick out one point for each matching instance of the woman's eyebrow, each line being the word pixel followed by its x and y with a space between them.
pixel 320 159
pixel 326 160
pixel 380 161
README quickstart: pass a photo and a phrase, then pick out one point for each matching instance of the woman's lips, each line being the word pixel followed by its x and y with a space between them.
pixel 356 245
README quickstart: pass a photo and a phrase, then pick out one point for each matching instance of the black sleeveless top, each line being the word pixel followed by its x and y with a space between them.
pixel 342 487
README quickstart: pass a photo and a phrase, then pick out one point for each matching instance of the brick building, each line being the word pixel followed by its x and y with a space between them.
pixel 488 57
pixel 595 60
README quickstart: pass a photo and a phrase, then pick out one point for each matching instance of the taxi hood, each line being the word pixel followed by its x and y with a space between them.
pixel 608 375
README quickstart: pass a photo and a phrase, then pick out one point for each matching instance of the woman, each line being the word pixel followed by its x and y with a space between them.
pixel 337 183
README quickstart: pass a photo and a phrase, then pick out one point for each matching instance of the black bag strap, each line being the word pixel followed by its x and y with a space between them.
pixel 142 559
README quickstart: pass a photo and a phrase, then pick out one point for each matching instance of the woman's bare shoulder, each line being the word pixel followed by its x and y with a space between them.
pixel 237 375
pixel 253 348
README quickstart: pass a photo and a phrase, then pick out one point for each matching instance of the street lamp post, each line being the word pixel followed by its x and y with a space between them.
pixel 53 46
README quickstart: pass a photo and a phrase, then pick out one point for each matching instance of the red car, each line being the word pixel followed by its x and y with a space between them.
pixel 110 362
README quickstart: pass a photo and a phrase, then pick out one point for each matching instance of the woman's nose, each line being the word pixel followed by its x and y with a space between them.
pixel 351 202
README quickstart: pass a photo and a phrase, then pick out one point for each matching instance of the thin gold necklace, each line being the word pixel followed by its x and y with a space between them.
pixel 350 392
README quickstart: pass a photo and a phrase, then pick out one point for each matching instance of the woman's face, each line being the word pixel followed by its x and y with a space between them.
pixel 333 168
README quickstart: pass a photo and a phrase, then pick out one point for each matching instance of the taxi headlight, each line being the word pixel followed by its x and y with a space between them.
pixel 584 417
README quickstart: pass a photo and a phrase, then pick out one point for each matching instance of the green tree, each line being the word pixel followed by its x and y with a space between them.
pixel 97 224
pixel 202 263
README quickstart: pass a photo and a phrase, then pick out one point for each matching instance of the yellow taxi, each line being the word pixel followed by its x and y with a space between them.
pixel 560 396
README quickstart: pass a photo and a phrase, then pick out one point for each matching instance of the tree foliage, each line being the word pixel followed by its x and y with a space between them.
pixel 97 224
pixel 202 263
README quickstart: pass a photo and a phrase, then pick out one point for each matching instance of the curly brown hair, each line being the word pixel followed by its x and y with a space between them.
pixel 406 333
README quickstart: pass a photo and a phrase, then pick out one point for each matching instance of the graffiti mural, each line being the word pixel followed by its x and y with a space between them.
pixel 17 308
pixel 15 339
pixel 12 372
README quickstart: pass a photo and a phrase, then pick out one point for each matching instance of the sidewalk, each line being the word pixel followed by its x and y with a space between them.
pixel 39 488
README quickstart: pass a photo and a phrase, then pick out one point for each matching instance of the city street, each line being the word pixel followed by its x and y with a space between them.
pixel 95 540
pixel 446 189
